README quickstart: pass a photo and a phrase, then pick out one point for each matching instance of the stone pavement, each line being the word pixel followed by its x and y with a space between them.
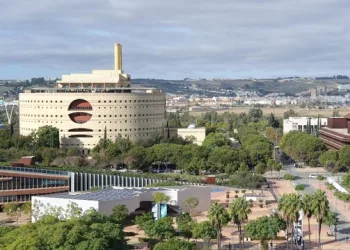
pixel 282 186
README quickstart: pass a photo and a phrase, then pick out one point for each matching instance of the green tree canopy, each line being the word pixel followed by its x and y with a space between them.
pixel 47 136
pixel 91 231
pixel 175 243
pixel 120 213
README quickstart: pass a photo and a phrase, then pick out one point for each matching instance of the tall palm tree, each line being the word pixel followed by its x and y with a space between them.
pixel 290 206
pixel 218 217
pixel 238 211
pixel 321 209
pixel 308 212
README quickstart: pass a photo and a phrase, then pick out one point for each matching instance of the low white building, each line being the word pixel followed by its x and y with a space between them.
pixel 105 200
pixel 300 123
pixel 198 134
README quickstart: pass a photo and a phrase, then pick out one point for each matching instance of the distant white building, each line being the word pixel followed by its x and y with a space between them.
pixel 198 134
pixel 300 123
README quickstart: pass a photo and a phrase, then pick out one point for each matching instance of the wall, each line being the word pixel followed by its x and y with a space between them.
pixel 292 123
pixel 130 115
pixel 132 203
pixel 40 205
pixel 203 193
pixel 197 133
pixel 335 182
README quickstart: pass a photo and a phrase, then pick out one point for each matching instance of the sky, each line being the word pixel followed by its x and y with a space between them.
pixel 169 39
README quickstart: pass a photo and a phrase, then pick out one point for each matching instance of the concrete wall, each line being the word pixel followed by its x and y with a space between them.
pixel 130 115
pixel 202 193
pixel 335 182
pixel 106 207
pixel 46 205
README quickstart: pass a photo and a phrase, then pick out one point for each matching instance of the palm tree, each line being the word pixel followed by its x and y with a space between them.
pixel 218 217
pixel 290 206
pixel 321 209
pixel 308 212
pixel 238 211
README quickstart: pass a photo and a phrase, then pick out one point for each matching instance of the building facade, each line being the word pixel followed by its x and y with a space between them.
pixel 300 124
pixel 86 107
pixel 337 133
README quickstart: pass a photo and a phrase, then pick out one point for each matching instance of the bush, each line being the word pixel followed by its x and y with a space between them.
pixel 320 177
pixel 164 184
pixel 289 177
pixel 330 186
pixel 245 180
pixel 300 187
pixel 342 196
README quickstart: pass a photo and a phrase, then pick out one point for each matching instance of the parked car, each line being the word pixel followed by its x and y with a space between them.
pixel 312 176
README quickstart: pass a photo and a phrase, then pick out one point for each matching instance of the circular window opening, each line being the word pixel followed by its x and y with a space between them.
pixel 79 104
pixel 80 117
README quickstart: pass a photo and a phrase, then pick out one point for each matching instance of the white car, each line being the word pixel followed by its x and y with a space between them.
pixel 312 176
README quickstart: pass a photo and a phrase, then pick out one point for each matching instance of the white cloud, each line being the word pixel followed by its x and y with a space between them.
pixel 177 39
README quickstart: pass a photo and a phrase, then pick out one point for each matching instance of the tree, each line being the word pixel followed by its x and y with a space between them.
pixel 184 225
pixel 175 243
pixel 11 210
pixel 329 159
pixel 308 212
pixel 205 231
pixel 143 220
pixel 218 217
pixel 160 229
pixel 90 231
pixel 73 152
pixel 290 206
pixel 27 208
pixel 120 213
pixel 264 228
pixel 335 113
pixel 215 140
pixel 135 157
pixel 160 198
pixel 48 155
pixel 238 211
pixel 47 136
pixel 260 168
pixel 191 203
pixel 321 209
pixel 289 113
pixel 344 156
pixel 278 167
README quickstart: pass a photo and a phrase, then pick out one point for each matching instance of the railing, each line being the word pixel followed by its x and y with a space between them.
pixel 79 108
pixel 33 170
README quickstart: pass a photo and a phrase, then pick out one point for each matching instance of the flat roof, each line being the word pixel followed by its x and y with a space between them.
pixel 109 194
pixel 99 195
pixel 93 90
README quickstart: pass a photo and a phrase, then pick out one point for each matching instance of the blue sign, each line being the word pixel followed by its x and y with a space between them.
pixel 163 210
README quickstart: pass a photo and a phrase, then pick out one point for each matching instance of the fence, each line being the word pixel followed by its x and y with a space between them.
pixel 86 181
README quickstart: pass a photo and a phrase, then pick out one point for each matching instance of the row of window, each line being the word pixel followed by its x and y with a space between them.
pixel 130 115
pixel 127 107
pixel 110 101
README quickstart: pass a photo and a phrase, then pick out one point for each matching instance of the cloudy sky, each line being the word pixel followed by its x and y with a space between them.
pixel 175 39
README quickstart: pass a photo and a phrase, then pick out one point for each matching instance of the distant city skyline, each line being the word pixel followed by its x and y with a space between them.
pixel 176 39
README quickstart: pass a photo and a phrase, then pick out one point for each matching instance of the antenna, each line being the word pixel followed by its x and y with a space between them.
pixel 9 116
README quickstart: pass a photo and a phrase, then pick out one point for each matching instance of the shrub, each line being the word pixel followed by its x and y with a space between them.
pixel 330 186
pixel 320 177
pixel 300 187
pixel 289 177
pixel 245 180
pixel 164 184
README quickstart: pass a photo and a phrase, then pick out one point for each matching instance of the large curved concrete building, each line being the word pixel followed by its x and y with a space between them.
pixel 84 106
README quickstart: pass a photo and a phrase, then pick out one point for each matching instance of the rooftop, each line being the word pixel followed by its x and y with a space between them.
pixel 100 195
pixel 93 90
pixel 114 193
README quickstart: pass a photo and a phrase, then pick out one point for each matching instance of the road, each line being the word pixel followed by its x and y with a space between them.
pixel 339 207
